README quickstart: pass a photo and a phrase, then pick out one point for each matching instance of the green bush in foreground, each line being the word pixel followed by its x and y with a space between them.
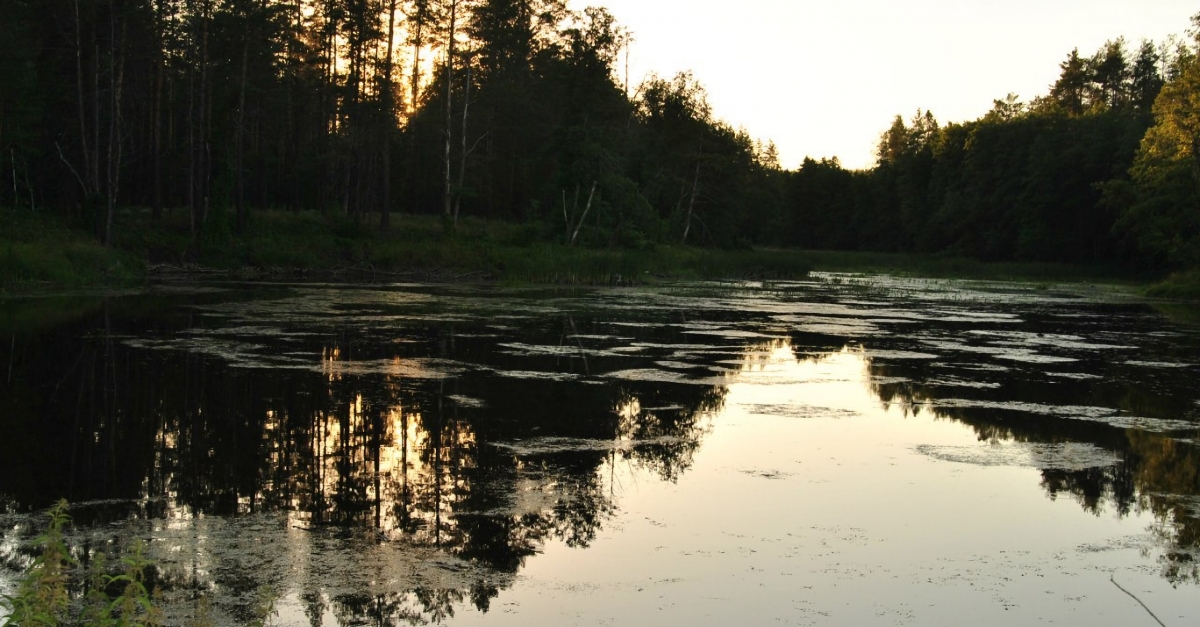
pixel 57 591
pixel 43 597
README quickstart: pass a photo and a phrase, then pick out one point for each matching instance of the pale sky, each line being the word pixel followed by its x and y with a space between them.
pixel 824 78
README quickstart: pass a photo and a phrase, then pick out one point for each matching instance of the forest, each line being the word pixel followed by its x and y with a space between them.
pixel 520 111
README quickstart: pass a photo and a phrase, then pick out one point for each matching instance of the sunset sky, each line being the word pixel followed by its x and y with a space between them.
pixel 824 78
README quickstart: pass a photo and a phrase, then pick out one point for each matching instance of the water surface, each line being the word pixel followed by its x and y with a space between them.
pixel 841 451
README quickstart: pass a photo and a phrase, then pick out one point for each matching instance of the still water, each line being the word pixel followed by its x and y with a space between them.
pixel 846 450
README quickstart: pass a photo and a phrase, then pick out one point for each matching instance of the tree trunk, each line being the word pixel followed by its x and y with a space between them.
pixel 687 224
pixel 116 83
pixel 156 203
pixel 239 193
pixel 389 120
pixel 447 191
pixel 83 130
pixel 586 209
pixel 462 158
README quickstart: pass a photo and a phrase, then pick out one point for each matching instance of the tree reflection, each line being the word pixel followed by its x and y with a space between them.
pixel 379 445
pixel 1158 471
pixel 374 441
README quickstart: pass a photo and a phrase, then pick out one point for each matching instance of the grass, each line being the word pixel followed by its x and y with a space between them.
pixel 40 251
pixel 1181 286
pixel 310 244
pixel 37 250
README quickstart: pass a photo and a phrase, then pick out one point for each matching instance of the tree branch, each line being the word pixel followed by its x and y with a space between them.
pixel 1113 579
pixel 72 169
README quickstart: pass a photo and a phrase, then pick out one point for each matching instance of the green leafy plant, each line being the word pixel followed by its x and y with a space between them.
pixel 133 605
pixel 43 595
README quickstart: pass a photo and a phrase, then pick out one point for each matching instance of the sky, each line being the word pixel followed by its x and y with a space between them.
pixel 825 78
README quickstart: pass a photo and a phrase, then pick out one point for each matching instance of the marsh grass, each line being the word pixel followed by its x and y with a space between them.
pixel 36 249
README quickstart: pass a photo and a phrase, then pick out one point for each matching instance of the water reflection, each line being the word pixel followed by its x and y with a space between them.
pixel 1155 471
pixel 383 466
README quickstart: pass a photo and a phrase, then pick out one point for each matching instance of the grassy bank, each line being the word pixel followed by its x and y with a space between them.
pixel 1181 286
pixel 45 252
pixel 39 251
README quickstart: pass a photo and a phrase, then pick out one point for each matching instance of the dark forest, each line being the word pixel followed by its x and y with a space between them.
pixel 518 111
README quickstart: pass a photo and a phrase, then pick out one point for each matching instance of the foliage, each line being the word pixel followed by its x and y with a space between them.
pixel 1025 182
pixel 37 249
pixel 1162 203
pixel 1181 286
pixel 44 594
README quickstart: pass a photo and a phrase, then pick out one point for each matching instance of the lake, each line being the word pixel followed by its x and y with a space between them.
pixel 846 450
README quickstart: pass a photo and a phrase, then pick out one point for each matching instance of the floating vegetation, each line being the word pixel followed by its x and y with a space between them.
pixel 771 474
pixel 1069 456
pixel 797 410
pixel 1080 376
pixel 537 374
pixel 1104 415
pixel 552 445
pixel 664 376
pixel 873 353
pixel 467 401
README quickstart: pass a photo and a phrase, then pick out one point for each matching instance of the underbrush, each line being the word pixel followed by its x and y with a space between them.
pixel 1181 286
pixel 308 242
pixel 38 250
pixel 41 250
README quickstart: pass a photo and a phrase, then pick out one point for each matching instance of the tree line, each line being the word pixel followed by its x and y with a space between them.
pixel 518 110
pixel 1103 169
pixel 502 109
